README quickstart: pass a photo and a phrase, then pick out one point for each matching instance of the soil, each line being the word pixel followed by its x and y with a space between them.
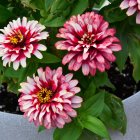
pixel 124 83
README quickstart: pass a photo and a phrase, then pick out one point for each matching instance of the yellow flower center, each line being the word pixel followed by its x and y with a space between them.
pixel 16 38
pixel 44 95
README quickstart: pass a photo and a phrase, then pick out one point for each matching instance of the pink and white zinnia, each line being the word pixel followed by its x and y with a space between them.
pixel 89 42
pixel 133 6
pixel 19 40
pixel 49 98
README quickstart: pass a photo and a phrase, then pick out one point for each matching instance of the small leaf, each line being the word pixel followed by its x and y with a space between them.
pixel 13 87
pixel 55 22
pixel 88 135
pixel 91 90
pixel 10 72
pixel 134 53
pixel 94 105
pixel 101 79
pixel 113 13
pixel 79 7
pixel 122 33
pixel 113 114
pixel 71 131
pixel 28 71
pixel 41 128
pixel 96 126
pixel 5 14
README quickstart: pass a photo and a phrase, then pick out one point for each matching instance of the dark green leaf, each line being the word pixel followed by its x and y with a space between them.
pixel 39 4
pixel 48 4
pixel 96 126
pixel 88 135
pixel 113 13
pixel 94 105
pixel 4 14
pixel 13 86
pixel 79 7
pixel 134 53
pixel 113 114
pixel 101 79
pixel 41 128
pixel 29 71
pixel 71 131
pixel 90 90
pixel 10 72
pixel 122 33
pixel 55 22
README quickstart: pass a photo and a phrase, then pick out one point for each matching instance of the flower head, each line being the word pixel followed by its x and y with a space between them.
pixel 133 6
pixel 19 40
pixel 89 42
pixel 49 98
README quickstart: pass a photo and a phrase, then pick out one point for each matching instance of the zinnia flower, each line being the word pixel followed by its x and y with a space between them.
pixel 19 40
pixel 49 98
pixel 133 6
pixel 89 42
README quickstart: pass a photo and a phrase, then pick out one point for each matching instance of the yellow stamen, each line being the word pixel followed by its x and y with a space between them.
pixel 16 38
pixel 44 95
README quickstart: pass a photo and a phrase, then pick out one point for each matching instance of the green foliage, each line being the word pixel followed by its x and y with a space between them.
pixel 113 114
pixel 88 135
pixel 134 53
pixel 100 110
pixel 5 14
pixel 112 13
pixel 101 79
pixel 94 105
pixel 96 126
pixel 90 91
pixel 123 31
pixel 41 128
pixel 71 131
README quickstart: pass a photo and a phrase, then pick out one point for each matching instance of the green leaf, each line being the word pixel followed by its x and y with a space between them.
pixel 122 30
pixel 1 66
pixel 134 53
pixel 113 13
pixel 91 90
pixel 94 105
pixel 28 71
pixel 79 7
pixel 41 128
pixel 88 135
pixel 5 14
pixel 96 126
pixel 10 72
pixel 55 22
pixel 113 114
pixel 48 58
pixel 84 81
pixel 101 79
pixel 106 115
pixel 71 131
pixel 13 87
pixel 48 4
pixel 57 13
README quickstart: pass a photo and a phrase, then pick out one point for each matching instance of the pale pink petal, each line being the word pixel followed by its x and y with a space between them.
pixel 85 69
pixel 138 18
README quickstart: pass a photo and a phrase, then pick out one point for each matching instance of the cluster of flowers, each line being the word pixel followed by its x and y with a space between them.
pixel 49 98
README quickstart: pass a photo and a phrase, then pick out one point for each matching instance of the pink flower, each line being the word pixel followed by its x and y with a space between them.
pixel 49 98
pixel 19 40
pixel 133 6
pixel 89 42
